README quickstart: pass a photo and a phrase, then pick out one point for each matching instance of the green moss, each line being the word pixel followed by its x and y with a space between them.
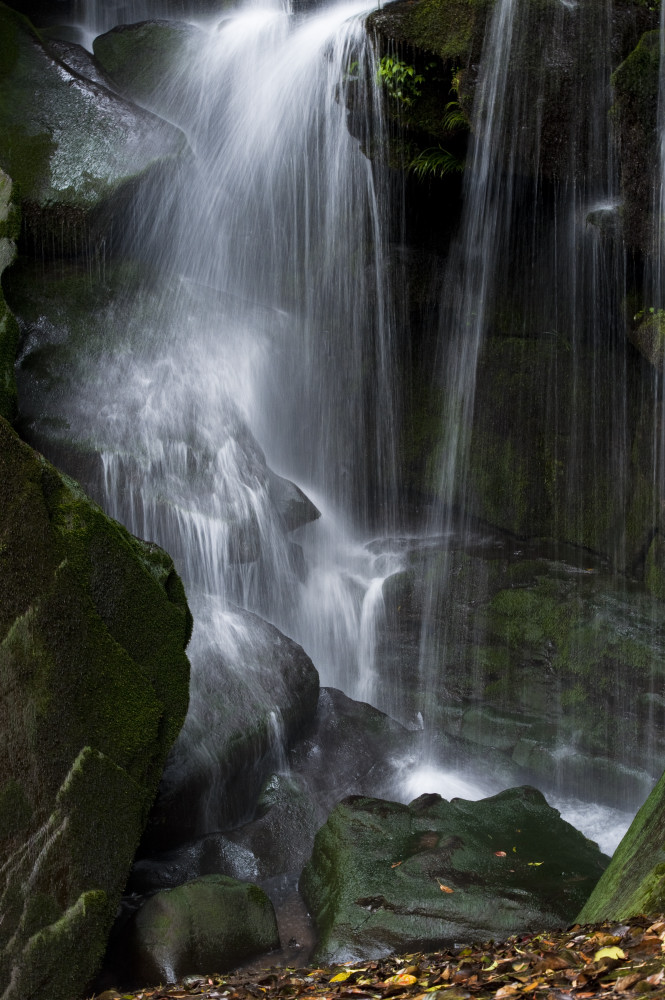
pixel 142 59
pixel 92 637
pixel 634 882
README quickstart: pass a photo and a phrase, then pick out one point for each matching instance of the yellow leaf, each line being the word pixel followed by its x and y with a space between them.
pixel 400 980
pixel 613 953
pixel 396 865
pixel 535 864
pixel 514 850
pixel 341 977
pixel 444 888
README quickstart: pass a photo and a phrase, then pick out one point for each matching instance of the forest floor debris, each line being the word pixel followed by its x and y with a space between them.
pixel 610 960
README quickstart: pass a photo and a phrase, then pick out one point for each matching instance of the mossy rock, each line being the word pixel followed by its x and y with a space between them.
pixel 648 336
pixel 76 151
pixel 212 924
pixel 634 882
pixel 93 628
pixel 143 60
pixel 509 863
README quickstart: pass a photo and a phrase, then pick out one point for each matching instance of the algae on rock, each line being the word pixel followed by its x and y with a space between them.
pixel 385 877
pixel 93 628
pixel 634 881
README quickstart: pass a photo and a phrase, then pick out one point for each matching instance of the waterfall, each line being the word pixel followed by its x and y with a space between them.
pixel 260 346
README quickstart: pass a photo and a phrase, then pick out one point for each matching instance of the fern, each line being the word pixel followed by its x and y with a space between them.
pixel 435 162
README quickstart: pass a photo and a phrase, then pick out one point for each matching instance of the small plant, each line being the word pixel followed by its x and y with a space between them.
pixel 651 311
pixel 435 162
pixel 400 79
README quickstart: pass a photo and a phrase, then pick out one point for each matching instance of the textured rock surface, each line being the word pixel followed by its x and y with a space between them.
pixel 374 881
pixel 74 149
pixel 634 881
pixel 211 924
pixel 9 230
pixel 94 689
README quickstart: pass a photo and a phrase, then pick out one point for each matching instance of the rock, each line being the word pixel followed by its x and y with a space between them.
pixel 94 689
pixel 209 925
pixel 374 881
pixel 143 59
pixel 76 151
pixel 636 83
pixel 9 332
pixel 548 662
pixel 293 506
pixel 248 701
pixel 634 881
pixel 648 336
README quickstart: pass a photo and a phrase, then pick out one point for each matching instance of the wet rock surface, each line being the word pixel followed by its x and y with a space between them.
pixel 77 151
pixel 384 876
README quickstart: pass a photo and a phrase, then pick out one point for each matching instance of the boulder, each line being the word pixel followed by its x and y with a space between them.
pixel 143 59
pixel 386 877
pixel 252 694
pixel 634 881
pixel 94 689
pixel 76 151
pixel 209 925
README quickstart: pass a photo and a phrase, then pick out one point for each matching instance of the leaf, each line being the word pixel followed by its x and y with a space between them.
pixel 612 953
pixel 396 865
pixel 535 864
pixel 341 977
pixel 506 991
pixel 500 854
pixel 444 888
pixel 402 979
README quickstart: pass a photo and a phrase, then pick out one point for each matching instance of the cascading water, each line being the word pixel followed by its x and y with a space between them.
pixel 270 320
pixel 264 312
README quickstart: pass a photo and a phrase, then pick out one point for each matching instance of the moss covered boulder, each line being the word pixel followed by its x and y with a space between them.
pixel 386 877
pixel 634 882
pixel 209 925
pixel 75 150
pixel 94 689
pixel 9 333
pixel 144 60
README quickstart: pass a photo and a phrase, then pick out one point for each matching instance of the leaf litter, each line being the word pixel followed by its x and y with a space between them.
pixel 608 961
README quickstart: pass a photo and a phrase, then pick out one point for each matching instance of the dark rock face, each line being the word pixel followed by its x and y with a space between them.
pixel 93 627
pixel 213 923
pixel 236 716
pixel 533 654
pixel 9 332
pixel 76 150
pixel 380 876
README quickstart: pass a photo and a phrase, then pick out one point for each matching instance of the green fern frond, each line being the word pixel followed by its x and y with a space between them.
pixel 435 162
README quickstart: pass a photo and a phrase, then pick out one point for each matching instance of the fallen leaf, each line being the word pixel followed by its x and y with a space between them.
pixel 401 979
pixel 341 977
pixel 500 854
pixel 612 953
pixel 535 864
pixel 396 865
pixel 444 888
